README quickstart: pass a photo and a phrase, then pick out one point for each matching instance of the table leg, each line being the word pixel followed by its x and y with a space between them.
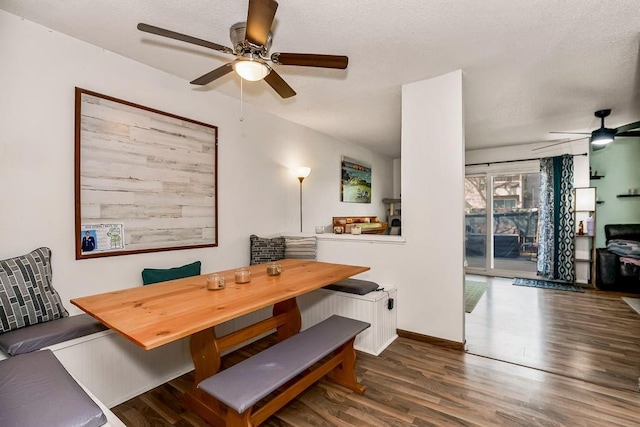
pixel 294 319
pixel 205 354
pixel 206 360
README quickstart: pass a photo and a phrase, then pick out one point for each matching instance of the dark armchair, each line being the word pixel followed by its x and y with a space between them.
pixel 611 274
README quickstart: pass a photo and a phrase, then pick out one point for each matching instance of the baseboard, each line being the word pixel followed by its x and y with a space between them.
pixel 440 342
pixel 380 350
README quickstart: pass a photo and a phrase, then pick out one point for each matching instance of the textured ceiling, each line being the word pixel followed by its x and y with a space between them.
pixel 529 67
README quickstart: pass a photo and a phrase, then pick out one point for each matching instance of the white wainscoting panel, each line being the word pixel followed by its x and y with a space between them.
pixel 115 369
pixel 372 307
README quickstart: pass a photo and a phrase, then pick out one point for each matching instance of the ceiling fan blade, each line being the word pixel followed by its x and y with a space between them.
pixel 183 37
pixel 212 75
pixel 311 60
pixel 632 133
pixel 630 126
pixel 558 143
pixel 259 20
pixel 279 85
pixel 574 133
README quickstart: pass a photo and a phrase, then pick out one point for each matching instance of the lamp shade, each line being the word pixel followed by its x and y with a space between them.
pixel 585 199
pixel 303 172
pixel 250 69
pixel 602 136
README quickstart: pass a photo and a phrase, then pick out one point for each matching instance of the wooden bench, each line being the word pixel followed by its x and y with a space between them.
pixel 243 385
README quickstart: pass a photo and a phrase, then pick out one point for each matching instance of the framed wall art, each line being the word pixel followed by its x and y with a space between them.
pixel 355 182
pixel 145 180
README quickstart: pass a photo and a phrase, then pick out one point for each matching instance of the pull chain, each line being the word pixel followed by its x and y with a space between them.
pixel 241 101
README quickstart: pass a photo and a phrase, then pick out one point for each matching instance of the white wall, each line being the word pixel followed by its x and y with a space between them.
pixel 433 207
pixel 257 191
pixel 397 178
pixel 426 263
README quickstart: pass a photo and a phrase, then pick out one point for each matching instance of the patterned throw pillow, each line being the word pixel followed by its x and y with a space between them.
pixel 26 294
pixel 300 247
pixel 266 250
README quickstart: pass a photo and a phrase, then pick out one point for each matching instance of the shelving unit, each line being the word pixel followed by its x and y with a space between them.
pixel 628 195
pixel 585 208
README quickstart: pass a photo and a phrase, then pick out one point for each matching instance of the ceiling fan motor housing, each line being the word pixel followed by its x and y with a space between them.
pixel 237 34
pixel 603 136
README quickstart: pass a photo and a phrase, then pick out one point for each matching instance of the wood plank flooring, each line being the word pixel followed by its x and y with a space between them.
pixel 592 336
pixel 416 384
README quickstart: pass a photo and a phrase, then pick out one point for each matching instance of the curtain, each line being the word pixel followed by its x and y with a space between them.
pixel 556 247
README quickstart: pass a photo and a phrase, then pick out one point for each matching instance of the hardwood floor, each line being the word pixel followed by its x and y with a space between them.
pixel 416 384
pixel 592 336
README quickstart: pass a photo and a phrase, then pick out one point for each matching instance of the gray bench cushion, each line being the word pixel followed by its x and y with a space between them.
pixel 35 337
pixel 36 390
pixel 244 384
pixel 353 286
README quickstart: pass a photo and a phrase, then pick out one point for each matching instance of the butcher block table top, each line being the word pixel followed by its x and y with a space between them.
pixel 157 314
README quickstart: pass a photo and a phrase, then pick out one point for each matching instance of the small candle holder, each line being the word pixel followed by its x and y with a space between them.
pixel 216 282
pixel 243 275
pixel 274 269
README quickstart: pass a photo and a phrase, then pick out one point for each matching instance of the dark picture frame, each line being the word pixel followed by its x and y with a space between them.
pixel 145 180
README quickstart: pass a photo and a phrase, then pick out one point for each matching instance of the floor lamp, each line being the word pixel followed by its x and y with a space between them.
pixel 302 173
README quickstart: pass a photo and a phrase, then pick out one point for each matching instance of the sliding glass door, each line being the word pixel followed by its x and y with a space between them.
pixel 501 222
pixel 515 219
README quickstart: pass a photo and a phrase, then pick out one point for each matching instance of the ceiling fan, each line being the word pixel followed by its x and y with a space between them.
pixel 251 42
pixel 602 136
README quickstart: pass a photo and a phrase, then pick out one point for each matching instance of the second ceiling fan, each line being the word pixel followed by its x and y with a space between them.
pixel 251 42
pixel 602 136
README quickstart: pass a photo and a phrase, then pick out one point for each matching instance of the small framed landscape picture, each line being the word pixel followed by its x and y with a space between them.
pixel 355 182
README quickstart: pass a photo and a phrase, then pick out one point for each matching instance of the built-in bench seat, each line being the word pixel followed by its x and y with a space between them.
pixel 41 335
pixel 246 383
pixel 36 390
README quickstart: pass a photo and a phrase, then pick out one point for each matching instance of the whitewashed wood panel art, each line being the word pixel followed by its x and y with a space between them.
pixel 154 172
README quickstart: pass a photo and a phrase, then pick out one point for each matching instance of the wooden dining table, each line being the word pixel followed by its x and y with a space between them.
pixel 158 314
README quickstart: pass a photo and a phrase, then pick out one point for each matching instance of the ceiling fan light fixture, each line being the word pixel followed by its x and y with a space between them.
pixel 602 136
pixel 251 70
